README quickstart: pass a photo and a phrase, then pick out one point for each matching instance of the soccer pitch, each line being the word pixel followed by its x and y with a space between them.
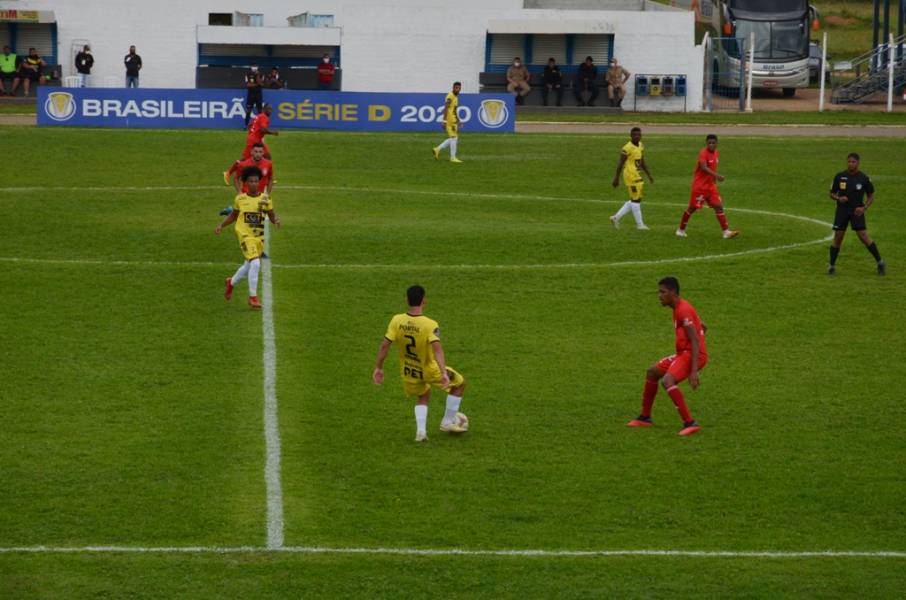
pixel 132 407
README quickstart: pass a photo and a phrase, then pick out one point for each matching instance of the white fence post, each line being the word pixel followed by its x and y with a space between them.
pixel 706 73
pixel 890 74
pixel 822 73
pixel 750 65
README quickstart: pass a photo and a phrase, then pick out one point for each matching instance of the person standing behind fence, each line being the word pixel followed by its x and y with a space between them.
pixel 274 80
pixel 253 93
pixel 586 81
pixel 133 64
pixel 552 81
pixel 83 63
pixel 326 72
pixel 517 80
pixel 616 77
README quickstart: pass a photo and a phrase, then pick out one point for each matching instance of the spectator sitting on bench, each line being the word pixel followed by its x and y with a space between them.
pixel 517 80
pixel 30 70
pixel 9 68
pixel 552 81
pixel 617 77
pixel 586 82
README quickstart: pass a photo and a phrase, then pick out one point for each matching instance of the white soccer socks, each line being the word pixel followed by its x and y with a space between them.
pixel 240 274
pixel 624 210
pixel 254 269
pixel 421 418
pixel 453 142
pixel 452 409
pixel 636 208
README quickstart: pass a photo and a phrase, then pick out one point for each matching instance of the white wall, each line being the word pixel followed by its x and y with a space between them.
pixel 398 45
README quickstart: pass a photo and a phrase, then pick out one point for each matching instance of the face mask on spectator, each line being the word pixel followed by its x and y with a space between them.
pixel 254 69
pixel 517 64
pixel 325 60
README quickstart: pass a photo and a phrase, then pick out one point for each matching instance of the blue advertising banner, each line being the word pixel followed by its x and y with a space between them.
pixel 208 108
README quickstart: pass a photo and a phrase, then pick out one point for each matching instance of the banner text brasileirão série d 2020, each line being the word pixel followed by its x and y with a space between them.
pixel 211 108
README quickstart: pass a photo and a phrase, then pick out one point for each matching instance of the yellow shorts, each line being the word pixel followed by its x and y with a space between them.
pixel 420 388
pixel 252 247
pixel 452 129
pixel 635 189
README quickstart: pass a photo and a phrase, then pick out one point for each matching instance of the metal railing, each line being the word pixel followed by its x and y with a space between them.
pixel 869 73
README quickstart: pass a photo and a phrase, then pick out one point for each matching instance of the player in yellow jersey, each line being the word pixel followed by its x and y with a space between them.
pixel 632 158
pixel 451 124
pixel 422 365
pixel 249 211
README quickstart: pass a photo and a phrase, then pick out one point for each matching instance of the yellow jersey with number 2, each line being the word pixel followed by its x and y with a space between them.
pixel 413 336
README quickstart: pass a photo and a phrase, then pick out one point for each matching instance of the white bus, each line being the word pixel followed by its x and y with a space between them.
pixel 781 29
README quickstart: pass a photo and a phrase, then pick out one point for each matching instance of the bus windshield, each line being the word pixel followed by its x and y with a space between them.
pixel 769 6
pixel 776 40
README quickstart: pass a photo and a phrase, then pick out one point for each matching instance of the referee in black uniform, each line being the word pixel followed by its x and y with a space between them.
pixel 854 193
pixel 253 85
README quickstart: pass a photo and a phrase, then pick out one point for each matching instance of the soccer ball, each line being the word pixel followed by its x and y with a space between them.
pixel 462 420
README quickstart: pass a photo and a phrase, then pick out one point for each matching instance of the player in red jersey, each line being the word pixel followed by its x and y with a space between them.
pixel 266 183
pixel 704 188
pixel 691 356
pixel 259 128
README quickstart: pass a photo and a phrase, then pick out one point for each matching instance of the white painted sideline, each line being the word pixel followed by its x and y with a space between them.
pixel 769 554
pixel 271 424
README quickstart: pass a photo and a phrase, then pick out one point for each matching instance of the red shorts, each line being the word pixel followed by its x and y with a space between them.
pixel 247 153
pixel 680 365
pixel 701 196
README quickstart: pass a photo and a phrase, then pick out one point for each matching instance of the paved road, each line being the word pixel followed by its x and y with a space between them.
pixel 728 130
pixel 879 131
pixel 17 119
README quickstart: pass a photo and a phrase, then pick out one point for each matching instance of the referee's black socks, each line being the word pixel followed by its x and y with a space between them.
pixel 874 252
pixel 834 251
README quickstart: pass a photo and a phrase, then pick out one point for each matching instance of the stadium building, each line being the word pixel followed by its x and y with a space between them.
pixel 402 45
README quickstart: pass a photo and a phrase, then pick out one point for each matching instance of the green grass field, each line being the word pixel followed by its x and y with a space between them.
pixel 132 396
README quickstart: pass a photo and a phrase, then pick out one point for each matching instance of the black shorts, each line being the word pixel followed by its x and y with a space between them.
pixel 846 217
pixel 29 74
pixel 8 76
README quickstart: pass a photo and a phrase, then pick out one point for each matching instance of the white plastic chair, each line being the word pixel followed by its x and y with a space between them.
pixel 72 81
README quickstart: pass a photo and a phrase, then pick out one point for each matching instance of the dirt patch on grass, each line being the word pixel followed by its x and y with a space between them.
pixel 837 21
pixel 17 119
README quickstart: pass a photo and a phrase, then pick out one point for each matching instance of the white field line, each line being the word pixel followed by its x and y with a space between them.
pixel 767 554
pixel 271 424
pixel 399 191
pixel 460 267
pixel 435 267
pixel 112 262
